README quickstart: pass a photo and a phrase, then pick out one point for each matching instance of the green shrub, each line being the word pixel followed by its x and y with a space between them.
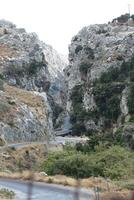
pixel 132 16
pixel 78 113
pixel 94 114
pixel 77 120
pixel 2 142
pixel 129 186
pixel 127 67
pixel 34 66
pixel 118 138
pixel 78 48
pixel 1 84
pixel 115 163
pixel 8 194
pixel 103 139
pixel 79 128
pixel 131 99
pixel 15 70
pixel 109 76
pixel 1 77
pixel 58 109
pixel 132 119
pixel 88 147
pixel 89 52
pixel 132 76
pixel 107 97
pixel 25 68
pixel 123 18
pixel 113 108
pixel 101 31
pixel 4 107
pixel 107 91
pixel 118 74
pixel 84 67
pixel 77 94
pixel 120 58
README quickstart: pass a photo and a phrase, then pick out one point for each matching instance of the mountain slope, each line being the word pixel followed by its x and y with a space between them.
pixel 29 68
pixel 100 79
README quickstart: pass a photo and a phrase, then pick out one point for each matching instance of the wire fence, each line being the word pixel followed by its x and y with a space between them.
pixel 77 190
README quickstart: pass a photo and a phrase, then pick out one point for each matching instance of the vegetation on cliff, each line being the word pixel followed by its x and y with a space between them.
pixel 107 92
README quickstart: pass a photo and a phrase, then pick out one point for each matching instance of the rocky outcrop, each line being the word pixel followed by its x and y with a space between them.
pixel 24 115
pixel 27 62
pixel 58 88
pixel 22 60
pixel 100 47
pixel 32 71
pixel 100 77
pixel 56 64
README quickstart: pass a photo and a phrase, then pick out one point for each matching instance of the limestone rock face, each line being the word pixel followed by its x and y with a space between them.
pixel 100 47
pixel 98 76
pixel 26 61
pixel 33 73
pixel 22 60
pixel 56 64
pixel 24 115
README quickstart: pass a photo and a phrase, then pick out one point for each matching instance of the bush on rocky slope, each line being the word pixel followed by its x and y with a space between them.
pixel 131 100
pixel 107 92
pixel 1 84
pixel 78 113
pixel 107 97
pixel 84 67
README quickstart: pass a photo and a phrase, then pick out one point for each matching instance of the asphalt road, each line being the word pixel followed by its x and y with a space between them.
pixel 43 191
pixel 58 140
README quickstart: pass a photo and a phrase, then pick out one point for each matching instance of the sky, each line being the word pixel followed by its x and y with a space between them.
pixel 57 21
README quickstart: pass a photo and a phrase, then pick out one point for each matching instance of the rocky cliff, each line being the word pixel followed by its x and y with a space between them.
pixel 56 64
pixel 100 79
pixel 30 72
pixel 57 93
pixel 24 116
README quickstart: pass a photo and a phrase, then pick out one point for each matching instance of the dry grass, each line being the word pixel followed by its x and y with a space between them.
pixel 117 196
pixel 89 183
pixel 11 100
pixel 24 96
pixel 35 102
pixel 7 112
pixel 15 160
pixel 59 179
pixel 6 51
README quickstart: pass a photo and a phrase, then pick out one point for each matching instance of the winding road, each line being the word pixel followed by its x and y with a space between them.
pixel 58 140
pixel 42 191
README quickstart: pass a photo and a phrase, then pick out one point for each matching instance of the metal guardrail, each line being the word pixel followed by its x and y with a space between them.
pixel 63 132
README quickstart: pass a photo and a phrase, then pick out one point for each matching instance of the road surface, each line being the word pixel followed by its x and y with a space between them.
pixel 43 191
pixel 58 140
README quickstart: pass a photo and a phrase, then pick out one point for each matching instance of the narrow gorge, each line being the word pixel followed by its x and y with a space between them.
pixel 93 94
